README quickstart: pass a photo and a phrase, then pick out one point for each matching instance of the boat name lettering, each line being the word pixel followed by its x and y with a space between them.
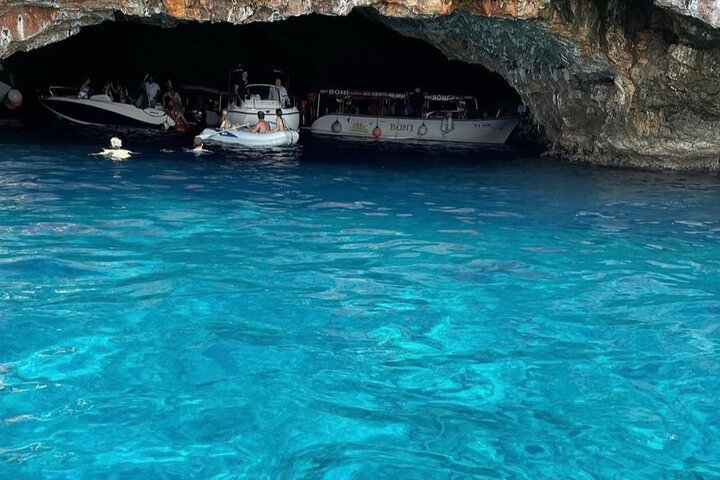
pixel 402 127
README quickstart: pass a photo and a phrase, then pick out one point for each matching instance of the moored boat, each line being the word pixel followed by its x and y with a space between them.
pixel 444 118
pixel 100 109
pixel 234 136
pixel 266 98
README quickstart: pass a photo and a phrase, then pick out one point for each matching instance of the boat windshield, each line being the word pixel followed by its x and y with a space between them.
pixel 260 92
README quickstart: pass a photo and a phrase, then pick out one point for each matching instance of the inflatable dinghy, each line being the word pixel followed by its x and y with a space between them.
pixel 232 136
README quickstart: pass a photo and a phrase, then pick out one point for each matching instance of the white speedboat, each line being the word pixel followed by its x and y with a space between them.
pixel 264 98
pixel 444 118
pixel 245 138
pixel 102 110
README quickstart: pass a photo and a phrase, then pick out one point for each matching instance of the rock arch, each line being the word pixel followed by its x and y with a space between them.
pixel 610 81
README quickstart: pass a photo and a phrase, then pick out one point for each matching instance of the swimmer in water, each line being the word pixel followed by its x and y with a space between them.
pixel 116 152
pixel 198 146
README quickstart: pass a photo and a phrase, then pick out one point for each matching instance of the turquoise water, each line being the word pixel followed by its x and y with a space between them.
pixel 350 312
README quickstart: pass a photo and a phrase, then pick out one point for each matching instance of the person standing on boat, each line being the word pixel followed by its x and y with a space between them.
pixel 243 83
pixel 240 87
pixel 280 123
pixel 236 96
pixel 417 102
pixel 152 90
pixel 262 126
pixel 280 93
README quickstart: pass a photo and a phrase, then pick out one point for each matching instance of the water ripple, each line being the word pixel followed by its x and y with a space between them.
pixel 337 312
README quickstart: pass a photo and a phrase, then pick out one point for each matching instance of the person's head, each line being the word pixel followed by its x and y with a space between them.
pixel 150 79
pixel 224 113
pixel 197 142
pixel 417 90
pixel 278 82
pixel 261 116
pixel 115 142
pixel 278 112
pixel 169 85
pixel 244 75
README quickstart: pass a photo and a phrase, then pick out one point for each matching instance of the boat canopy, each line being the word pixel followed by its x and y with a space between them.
pixel 362 94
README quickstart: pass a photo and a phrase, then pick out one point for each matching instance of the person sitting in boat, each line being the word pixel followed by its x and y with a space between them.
pixel 173 96
pixel 262 126
pixel 109 90
pixel 280 123
pixel 116 152
pixel 279 93
pixel 175 114
pixel 117 92
pixel 122 93
pixel 152 90
pixel 85 89
pixel 225 122
pixel 373 109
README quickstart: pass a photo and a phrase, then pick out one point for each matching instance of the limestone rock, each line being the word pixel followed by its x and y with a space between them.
pixel 609 81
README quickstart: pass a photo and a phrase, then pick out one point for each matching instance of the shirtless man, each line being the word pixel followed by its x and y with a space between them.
pixel 261 126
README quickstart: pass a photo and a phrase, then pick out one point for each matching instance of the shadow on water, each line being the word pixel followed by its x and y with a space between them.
pixel 311 149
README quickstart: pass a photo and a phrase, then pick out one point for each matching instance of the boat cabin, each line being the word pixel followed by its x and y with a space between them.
pixel 393 104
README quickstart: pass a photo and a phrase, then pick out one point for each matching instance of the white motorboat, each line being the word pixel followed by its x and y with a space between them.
pixel 445 118
pixel 234 136
pixel 264 98
pixel 102 110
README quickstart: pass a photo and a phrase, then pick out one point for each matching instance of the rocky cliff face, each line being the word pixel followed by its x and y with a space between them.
pixel 622 82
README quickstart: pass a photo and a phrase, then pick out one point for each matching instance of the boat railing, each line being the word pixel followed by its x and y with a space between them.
pixel 454 114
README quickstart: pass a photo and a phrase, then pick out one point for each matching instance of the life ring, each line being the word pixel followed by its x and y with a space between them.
pixel 377 132
pixel 336 127
pixel 422 130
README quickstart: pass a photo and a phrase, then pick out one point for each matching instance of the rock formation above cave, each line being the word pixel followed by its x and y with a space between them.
pixel 608 81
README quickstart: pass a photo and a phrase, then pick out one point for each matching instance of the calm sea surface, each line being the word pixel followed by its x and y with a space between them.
pixel 352 311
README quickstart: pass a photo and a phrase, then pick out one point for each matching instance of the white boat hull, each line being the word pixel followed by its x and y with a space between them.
pixel 246 139
pixel 247 113
pixel 496 130
pixel 100 110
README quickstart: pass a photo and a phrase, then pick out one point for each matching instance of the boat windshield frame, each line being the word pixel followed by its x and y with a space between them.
pixel 265 96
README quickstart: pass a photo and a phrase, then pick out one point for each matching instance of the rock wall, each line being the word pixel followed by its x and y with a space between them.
pixel 614 82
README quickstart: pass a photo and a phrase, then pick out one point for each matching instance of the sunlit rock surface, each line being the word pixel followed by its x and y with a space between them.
pixel 608 81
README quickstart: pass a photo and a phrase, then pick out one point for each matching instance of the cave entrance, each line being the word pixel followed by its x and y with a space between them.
pixel 317 52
